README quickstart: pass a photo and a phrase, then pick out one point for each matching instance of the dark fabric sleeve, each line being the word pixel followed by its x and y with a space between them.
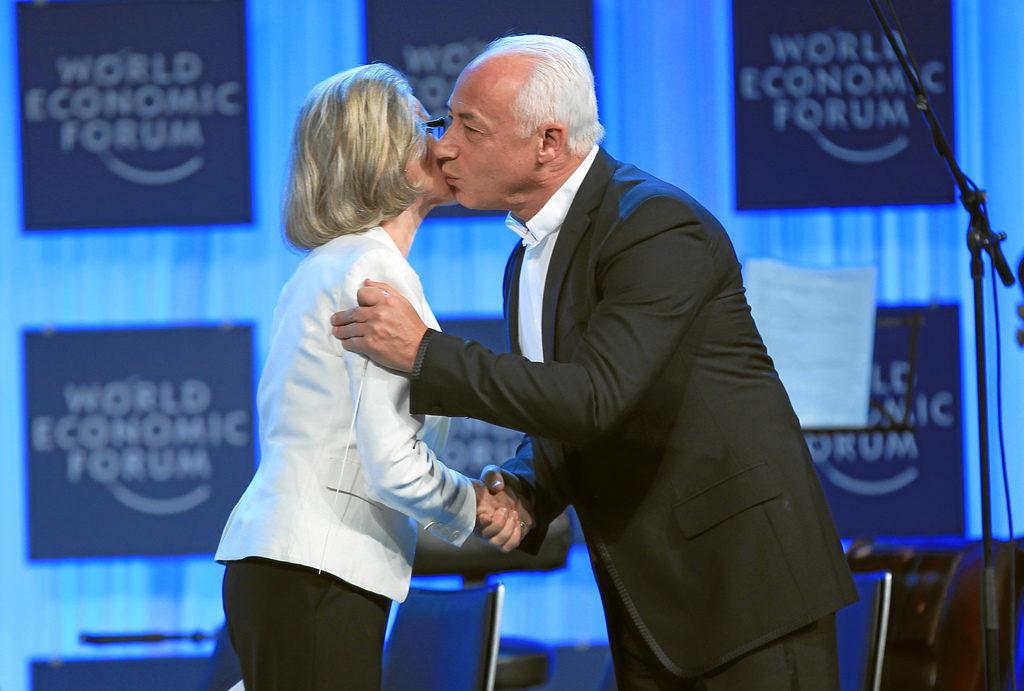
pixel 652 279
pixel 538 468
pixel 421 353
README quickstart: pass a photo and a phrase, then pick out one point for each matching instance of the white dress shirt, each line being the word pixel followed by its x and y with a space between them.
pixel 338 490
pixel 539 235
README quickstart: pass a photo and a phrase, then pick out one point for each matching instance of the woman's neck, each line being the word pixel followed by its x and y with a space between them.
pixel 402 228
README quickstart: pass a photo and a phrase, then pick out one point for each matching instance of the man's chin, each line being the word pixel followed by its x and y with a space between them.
pixel 475 204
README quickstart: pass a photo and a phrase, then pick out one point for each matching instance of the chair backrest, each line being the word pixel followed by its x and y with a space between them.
pixel 934 639
pixel 862 629
pixel 445 640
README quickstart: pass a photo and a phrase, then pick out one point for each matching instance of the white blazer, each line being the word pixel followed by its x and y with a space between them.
pixel 328 494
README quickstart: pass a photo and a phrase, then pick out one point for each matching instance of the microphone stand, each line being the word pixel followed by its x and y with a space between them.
pixel 979 238
pixel 1020 307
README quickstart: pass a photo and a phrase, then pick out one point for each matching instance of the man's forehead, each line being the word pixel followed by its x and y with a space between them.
pixel 469 103
pixel 485 91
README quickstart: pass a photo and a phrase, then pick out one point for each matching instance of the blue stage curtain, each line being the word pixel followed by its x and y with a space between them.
pixel 664 71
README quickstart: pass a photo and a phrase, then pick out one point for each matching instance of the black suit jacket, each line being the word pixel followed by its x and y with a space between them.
pixel 659 415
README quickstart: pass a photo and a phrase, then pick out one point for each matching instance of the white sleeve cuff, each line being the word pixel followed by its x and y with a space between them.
pixel 459 529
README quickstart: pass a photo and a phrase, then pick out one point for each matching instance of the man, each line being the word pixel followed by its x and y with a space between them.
pixel 646 393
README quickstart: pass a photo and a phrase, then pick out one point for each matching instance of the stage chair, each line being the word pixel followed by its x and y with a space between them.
pixel 934 641
pixel 444 640
pixel 522 663
pixel 862 630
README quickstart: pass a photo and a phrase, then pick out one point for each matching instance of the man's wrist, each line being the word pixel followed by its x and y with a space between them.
pixel 523 495
pixel 421 353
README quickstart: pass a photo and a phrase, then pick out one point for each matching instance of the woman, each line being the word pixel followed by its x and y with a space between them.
pixel 322 540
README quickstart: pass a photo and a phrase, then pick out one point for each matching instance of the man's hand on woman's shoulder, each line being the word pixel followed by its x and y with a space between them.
pixel 385 327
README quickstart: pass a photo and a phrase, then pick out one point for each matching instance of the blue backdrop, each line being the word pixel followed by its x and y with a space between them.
pixel 664 75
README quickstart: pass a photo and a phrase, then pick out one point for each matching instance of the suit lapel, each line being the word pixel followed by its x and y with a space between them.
pixel 515 265
pixel 576 223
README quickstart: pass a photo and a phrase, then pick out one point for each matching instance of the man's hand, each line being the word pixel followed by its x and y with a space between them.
pixel 385 327
pixel 502 518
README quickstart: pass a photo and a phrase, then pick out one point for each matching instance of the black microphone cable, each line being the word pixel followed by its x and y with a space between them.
pixel 1011 543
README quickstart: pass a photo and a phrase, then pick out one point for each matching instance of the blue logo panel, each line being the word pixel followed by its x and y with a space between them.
pixel 472 444
pixel 431 41
pixel 824 115
pixel 905 477
pixel 133 114
pixel 138 441
pixel 150 673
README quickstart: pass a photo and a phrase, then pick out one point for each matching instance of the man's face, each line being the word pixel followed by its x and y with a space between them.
pixel 488 164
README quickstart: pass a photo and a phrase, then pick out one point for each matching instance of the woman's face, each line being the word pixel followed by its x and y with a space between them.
pixel 425 172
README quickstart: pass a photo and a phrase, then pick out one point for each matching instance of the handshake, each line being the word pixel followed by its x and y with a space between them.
pixel 502 518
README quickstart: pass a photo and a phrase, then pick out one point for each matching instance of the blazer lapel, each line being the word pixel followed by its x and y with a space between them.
pixel 511 301
pixel 576 223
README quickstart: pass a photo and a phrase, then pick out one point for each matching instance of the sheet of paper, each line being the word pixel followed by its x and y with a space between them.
pixel 819 328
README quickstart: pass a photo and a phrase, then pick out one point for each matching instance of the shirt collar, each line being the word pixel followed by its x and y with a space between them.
pixel 553 213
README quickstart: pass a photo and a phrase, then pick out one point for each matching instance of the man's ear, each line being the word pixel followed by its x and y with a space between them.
pixel 554 142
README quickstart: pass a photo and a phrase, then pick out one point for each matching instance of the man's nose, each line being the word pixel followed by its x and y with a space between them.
pixel 444 149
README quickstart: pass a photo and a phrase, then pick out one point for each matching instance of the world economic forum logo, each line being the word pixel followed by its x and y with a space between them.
pixel 472 444
pixel 148 442
pixel 141 114
pixel 882 460
pixel 432 69
pixel 844 89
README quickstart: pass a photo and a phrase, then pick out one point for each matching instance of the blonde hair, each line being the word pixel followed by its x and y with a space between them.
pixel 354 136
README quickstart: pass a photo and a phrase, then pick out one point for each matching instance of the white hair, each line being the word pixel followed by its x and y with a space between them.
pixel 560 87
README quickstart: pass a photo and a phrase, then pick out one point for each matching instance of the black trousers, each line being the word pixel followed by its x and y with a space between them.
pixel 294 629
pixel 804 660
